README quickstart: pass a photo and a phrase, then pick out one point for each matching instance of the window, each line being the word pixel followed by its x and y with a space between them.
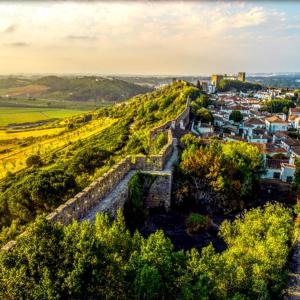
pixel 276 175
pixel 289 179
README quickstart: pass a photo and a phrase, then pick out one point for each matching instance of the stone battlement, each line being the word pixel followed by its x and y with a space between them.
pixel 80 204
pixel 181 121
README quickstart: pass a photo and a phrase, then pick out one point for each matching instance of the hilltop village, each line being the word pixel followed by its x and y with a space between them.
pixel 265 117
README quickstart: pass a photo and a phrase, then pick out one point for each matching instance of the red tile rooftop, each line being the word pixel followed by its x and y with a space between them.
pixel 295 110
pixel 275 119
pixel 292 117
pixel 276 163
pixel 296 150
pixel 254 121
pixel 288 165
pixel 281 134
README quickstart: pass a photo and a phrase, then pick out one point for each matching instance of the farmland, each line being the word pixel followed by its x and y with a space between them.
pixel 17 145
pixel 15 115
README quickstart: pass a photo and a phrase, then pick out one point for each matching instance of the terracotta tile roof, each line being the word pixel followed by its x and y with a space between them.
pixel 292 117
pixel 275 119
pixel 291 142
pixel 276 163
pixel 296 150
pixel 239 107
pixel 271 149
pixel 295 110
pixel 281 134
pixel 288 165
pixel 254 121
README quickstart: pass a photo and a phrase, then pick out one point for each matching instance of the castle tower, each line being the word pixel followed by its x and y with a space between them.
pixel 241 76
pixel 215 79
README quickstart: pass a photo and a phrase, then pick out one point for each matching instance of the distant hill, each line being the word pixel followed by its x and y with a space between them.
pixel 85 88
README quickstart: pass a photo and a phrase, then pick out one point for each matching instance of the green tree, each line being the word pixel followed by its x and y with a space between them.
pixel 236 116
pixel 34 160
pixel 227 85
pixel 278 105
pixel 204 115
pixel 231 170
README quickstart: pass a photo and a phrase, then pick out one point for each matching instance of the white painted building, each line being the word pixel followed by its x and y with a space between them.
pixel 275 123
pixel 295 111
pixel 287 172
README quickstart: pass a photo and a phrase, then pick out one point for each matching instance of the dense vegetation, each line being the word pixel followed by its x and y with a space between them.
pixel 65 172
pixel 227 85
pixel 104 261
pixel 199 109
pixel 278 105
pixel 221 176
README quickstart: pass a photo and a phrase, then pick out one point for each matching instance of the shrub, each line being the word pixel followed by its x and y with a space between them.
pixel 197 223
pixel 34 160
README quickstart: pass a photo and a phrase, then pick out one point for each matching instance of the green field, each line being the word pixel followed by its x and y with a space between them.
pixel 10 115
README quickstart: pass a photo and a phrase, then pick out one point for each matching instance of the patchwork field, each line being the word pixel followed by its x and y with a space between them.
pixel 16 146
pixel 11 115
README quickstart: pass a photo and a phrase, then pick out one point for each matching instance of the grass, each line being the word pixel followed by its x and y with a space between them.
pixel 47 104
pixel 17 134
pixel 11 115
pixel 14 151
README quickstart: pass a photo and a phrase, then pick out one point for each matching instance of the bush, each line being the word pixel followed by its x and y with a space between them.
pixel 34 160
pixel 197 223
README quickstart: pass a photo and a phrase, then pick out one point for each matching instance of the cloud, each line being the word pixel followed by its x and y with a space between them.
pixel 10 28
pixel 17 44
pixel 80 37
pixel 147 36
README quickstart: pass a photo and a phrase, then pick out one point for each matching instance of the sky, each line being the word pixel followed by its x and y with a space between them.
pixel 149 37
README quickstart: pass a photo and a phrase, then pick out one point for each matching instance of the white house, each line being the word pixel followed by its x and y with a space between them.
pixel 204 128
pixel 273 168
pixel 252 123
pixel 295 111
pixel 219 121
pixel 230 109
pixel 259 138
pixel 288 143
pixel 275 123
pixel 287 172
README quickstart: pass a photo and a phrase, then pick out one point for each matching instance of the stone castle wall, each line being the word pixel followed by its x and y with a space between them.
pixel 159 194
pixel 92 195
pixel 75 207
pixel 180 121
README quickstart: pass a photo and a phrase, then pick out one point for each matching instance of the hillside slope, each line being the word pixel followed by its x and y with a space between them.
pixel 85 88
pixel 65 171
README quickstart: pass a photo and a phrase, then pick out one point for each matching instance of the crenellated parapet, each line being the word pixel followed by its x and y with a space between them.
pixel 107 193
